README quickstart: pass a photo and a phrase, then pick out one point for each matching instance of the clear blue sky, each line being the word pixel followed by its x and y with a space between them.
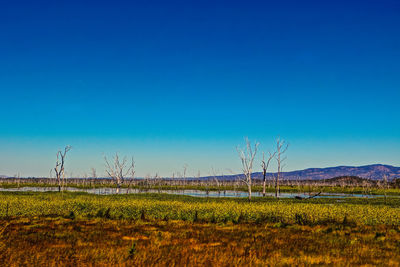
pixel 182 82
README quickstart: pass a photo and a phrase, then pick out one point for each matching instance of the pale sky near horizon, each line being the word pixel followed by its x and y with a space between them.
pixel 183 83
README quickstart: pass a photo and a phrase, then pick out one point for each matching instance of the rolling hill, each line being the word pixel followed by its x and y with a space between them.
pixel 374 172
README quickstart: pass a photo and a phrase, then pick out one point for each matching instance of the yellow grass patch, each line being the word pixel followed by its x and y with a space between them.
pixel 141 237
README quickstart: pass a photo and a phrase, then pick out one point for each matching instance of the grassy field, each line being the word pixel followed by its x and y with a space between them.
pixel 42 229
pixel 55 241
pixel 174 207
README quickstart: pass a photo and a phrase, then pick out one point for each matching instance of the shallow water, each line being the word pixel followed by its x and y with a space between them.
pixel 194 193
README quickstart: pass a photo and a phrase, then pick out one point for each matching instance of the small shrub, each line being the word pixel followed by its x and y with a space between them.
pixel 239 219
pixel 132 250
pixel 103 213
pixel 302 219
pixel 280 225
pixel 213 218
pixel 107 214
pixel 71 215
pixel 143 215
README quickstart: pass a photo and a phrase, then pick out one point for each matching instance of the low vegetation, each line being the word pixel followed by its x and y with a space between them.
pixel 55 241
pixel 220 210
pixel 75 229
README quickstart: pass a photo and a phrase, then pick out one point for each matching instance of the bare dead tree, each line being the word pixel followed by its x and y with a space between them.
pixel 265 166
pixel 18 176
pixel 132 178
pixel 215 177
pixel 385 186
pixel 60 168
pixel 184 173
pixel 93 173
pixel 281 147
pixel 118 170
pixel 298 184
pixel 247 156
pixel 93 177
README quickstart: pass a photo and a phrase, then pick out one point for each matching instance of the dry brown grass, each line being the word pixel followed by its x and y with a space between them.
pixel 99 242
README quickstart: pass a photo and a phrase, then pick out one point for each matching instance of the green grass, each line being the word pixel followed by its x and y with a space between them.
pixel 216 210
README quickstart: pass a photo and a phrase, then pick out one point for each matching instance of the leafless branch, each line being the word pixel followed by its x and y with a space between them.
pixel 247 156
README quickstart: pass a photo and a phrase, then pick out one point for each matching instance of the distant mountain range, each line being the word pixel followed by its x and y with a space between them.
pixel 374 172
